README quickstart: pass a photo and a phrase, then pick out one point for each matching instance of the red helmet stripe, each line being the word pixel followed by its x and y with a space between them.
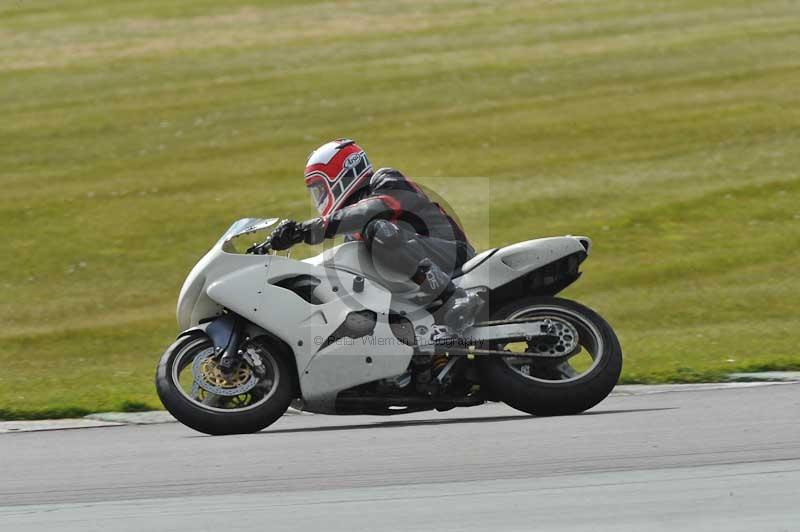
pixel 343 166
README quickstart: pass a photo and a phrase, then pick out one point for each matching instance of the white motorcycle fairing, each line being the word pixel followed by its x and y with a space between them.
pixel 249 286
pixel 246 285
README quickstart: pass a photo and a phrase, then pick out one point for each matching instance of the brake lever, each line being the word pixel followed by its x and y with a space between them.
pixel 265 247
pixel 259 249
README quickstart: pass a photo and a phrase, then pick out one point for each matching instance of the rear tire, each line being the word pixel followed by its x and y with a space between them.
pixel 546 396
pixel 215 421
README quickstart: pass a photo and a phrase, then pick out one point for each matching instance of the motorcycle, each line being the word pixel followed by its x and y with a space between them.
pixel 261 331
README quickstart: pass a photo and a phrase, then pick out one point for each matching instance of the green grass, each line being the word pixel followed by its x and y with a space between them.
pixel 133 133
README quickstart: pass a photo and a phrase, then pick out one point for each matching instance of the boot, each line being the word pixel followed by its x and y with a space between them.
pixel 432 280
pixel 460 309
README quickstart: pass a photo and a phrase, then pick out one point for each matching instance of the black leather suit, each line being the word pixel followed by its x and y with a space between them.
pixel 400 225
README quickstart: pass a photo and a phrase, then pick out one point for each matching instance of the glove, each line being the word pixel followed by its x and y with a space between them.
pixel 287 234
pixel 313 231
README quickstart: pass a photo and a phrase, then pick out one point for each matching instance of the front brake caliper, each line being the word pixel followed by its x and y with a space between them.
pixel 253 359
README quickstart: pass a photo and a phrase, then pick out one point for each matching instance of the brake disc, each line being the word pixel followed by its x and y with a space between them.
pixel 210 378
pixel 561 339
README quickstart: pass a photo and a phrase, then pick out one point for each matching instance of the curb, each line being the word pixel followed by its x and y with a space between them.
pixel 770 376
pixel 103 419
pixel 116 419
pixel 154 417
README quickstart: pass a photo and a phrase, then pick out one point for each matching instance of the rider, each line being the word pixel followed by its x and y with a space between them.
pixel 407 234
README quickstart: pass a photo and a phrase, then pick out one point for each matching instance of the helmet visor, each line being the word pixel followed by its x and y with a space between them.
pixel 319 194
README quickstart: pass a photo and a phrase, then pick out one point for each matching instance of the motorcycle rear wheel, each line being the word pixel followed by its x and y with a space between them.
pixel 554 387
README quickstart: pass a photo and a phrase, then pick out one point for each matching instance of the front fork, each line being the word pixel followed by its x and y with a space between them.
pixel 231 357
pixel 228 333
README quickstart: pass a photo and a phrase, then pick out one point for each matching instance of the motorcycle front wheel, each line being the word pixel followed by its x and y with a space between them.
pixel 194 390
pixel 563 383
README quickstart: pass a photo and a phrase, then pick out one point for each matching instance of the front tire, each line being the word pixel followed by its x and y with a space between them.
pixel 556 388
pixel 210 413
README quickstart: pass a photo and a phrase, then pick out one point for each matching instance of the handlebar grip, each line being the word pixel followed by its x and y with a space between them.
pixel 259 249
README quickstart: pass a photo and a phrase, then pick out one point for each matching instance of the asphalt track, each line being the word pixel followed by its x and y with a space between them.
pixel 696 460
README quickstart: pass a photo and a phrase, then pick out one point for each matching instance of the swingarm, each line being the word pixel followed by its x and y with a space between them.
pixel 545 338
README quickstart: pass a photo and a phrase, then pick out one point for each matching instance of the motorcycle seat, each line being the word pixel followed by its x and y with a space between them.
pixel 474 262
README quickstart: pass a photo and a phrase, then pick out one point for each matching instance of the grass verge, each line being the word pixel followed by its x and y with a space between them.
pixel 134 133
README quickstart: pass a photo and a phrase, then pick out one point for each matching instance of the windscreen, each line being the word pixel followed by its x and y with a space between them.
pixel 244 226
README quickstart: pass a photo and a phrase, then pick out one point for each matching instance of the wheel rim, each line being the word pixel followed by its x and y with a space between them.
pixel 242 391
pixel 589 352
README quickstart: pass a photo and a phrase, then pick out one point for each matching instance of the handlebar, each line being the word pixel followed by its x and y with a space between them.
pixel 260 249
pixel 296 236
